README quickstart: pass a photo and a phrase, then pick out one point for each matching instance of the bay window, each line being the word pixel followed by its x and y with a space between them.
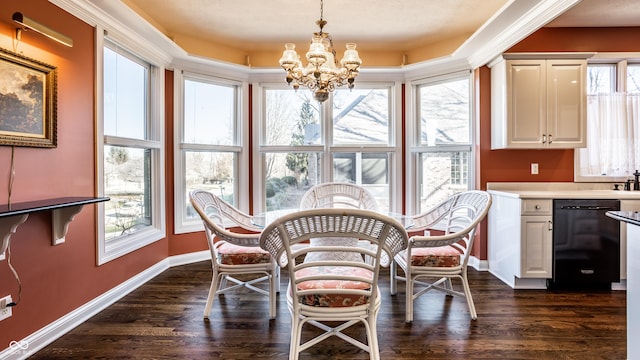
pixel 351 137
pixel 209 150
pixel 442 139
pixel 130 150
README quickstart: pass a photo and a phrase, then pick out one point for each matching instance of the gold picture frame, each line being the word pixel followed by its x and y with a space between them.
pixel 28 101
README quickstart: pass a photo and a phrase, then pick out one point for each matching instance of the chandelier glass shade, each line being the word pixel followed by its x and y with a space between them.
pixel 323 73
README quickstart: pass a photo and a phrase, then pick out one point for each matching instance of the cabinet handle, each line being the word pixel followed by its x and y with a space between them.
pixel 550 139
pixel 537 207
pixel 544 138
pixel 550 225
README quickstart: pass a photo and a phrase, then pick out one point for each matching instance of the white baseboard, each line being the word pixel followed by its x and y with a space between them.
pixel 480 265
pixel 22 349
pixel 189 258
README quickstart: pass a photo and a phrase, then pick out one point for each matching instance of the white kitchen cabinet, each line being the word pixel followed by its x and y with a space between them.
pixel 538 103
pixel 520 241
pixel 520 233
pixel 537 247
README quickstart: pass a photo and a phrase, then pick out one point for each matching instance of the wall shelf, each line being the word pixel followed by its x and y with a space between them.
pixel 63 210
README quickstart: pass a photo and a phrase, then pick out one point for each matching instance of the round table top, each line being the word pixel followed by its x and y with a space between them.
pixel 266 218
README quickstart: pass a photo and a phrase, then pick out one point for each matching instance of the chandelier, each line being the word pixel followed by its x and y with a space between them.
pixel 323 73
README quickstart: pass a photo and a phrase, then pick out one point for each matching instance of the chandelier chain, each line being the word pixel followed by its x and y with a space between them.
pixel 321 23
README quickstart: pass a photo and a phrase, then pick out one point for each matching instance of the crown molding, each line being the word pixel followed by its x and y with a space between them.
pixel 436 67
pixel 126 26
pixel 515 21
pixel 212 67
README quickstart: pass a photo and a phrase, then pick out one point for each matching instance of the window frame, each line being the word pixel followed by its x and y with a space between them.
pixel 241 172
pixel 415 147
pixel 392 81
pixel 620 61
pixel 110 249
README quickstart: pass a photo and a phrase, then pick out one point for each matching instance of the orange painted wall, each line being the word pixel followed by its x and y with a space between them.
pixel 58 279
pixel 554 165
pixel 178 243
pixel 66 276
pixel 621 39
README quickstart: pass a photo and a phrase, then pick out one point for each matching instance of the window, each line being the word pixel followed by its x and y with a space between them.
pixel 130 151
pixel 291 150
pixel 362 131
pixel 633 78
pixel 442 141
pixel 613 123
pixel 209 151
pixel 459 168
pixel 601 78
pixel 348 138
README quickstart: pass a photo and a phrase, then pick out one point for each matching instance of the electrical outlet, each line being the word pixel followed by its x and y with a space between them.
pixel 5 311
pixel 534 168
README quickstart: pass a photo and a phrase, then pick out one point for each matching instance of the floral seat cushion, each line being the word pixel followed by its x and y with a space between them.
pixel 333 300
pixel 230 254
pixel 442 256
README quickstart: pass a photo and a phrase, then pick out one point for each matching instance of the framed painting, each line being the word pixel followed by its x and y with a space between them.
pixel 28 101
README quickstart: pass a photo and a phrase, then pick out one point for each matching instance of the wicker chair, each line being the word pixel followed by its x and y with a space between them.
pixel 336 195
pixel 234 253
pixel 444 256
pixel 323 293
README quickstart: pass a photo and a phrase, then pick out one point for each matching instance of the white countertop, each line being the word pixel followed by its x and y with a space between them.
pixel 561 191
pixel 569 194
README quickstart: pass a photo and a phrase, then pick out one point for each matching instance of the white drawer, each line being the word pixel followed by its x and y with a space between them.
pixel 537 207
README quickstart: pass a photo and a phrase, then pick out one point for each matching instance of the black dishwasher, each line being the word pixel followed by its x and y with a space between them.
pixel 586 244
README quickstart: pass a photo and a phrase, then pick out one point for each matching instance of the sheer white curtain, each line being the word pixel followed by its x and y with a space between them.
pixel 613 131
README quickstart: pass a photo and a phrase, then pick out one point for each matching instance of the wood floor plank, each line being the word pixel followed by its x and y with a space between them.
pixel 163 320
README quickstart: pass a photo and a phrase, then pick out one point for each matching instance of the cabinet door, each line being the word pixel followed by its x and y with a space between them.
pixel 526 103
pixel 536 249
pixel 566 103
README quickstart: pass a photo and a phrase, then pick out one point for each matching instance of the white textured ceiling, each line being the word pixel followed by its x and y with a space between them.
pixel 386 25
pixel 263 24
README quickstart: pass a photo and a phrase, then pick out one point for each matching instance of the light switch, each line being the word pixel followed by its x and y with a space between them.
pixel 534 168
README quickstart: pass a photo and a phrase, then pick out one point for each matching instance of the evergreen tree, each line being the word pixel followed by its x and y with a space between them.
pixel 299 162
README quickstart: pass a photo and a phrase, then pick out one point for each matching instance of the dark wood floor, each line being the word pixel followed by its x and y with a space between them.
pixel 163 320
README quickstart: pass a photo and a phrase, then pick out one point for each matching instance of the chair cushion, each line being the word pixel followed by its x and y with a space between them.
pixel 230 254
pixel 333 300
pixel 442 256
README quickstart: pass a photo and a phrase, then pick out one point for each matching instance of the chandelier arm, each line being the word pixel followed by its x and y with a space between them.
pixel 333 50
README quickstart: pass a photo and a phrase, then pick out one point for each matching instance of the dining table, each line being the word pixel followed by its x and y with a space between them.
pixel 264 219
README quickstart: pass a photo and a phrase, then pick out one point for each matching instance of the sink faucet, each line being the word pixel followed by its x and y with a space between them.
pixel 636 182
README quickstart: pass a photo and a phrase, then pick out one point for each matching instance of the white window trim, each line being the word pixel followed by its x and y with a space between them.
pixel 241 171
pixel 414 148
pixel 113 249
pixel 273 80
pixel 620 60
pixel 394 148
